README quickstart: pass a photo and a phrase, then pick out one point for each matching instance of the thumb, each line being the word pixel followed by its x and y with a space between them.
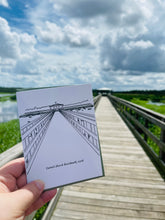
pixel 26 196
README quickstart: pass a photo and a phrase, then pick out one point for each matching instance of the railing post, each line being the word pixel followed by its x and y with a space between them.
pixel 162 138
pixel 146 125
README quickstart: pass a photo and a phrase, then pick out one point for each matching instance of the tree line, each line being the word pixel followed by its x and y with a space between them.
pixel 153 95
pixel 8 89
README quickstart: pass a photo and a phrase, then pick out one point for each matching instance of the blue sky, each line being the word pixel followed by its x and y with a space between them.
pixel 111 44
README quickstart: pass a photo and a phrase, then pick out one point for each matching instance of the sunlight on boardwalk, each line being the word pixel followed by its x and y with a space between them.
pixel 131 189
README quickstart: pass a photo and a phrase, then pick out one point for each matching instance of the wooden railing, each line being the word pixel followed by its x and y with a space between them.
pixel 96 100
pixel 143 123
pixel 16 152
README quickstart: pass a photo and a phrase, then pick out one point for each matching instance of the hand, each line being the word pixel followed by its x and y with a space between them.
pixel 17 198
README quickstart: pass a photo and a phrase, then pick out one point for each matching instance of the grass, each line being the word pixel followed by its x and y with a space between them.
pixel 160 109
pixel 9 134
pixel 40 212
pixel 4 98
pixel 7 97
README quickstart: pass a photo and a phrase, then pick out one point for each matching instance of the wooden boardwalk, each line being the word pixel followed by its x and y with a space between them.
pixel 131 189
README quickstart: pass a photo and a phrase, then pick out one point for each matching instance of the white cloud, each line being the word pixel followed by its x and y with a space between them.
pixel 109 43
pixel 50 33
pixel 9 47
pixel 84 22
pixel 14 45
pixel 141 44
pixel 27 45
pixel 4 3
pixel 123 15
pixel 17 50
pixel 77 36
pixel 71 35
pixel 124 54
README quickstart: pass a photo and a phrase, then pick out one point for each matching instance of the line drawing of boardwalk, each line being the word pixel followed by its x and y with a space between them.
pixel 37 121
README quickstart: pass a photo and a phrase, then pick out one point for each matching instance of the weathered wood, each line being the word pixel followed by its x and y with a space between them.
pixel 143 111
pixel 147 133
pixel 96 100
pixel 132 189
pixel 86 208
pixel 11 154
pixel 154 157
pixel 52 204
pixel 162 138
pixel 126 109
pixel 75 214
pixel 31 216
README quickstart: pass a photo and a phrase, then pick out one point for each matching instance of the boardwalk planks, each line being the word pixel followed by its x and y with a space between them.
pixel 132 189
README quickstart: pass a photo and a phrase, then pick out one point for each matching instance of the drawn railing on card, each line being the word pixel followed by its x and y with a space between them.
pixel 33 138
pixel 85 125
pixel 33 123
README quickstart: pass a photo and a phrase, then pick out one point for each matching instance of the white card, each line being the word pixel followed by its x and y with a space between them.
pixel 59 135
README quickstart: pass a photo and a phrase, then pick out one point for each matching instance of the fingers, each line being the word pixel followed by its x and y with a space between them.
pixel 44 198
pixel 26 196
pixel 30 196
pixel 14 168
pixel 21 181
pixel 48 195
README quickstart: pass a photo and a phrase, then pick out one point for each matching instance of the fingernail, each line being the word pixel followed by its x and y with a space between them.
pixel 40 184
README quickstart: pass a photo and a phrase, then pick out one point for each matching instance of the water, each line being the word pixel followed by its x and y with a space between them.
pixel 2 95
pixel 8 111
pixel 156 103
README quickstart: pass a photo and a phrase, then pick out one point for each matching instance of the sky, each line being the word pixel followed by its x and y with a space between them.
pixel 115 44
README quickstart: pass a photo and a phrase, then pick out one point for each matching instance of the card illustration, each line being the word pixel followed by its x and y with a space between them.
pixel 58 130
